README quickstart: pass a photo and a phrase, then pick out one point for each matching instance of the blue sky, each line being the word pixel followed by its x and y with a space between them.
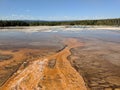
pixel 59 9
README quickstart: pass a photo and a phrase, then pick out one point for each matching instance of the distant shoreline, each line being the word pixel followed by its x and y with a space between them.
pixel 107 22
pixel 74 28
pixel 63 26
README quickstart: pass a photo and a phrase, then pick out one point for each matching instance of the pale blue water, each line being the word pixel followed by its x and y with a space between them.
pixel 17 38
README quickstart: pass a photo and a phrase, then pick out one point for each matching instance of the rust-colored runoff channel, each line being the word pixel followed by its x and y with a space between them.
pixel 48 73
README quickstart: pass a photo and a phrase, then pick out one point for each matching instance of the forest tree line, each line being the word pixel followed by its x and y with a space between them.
pixel 4 23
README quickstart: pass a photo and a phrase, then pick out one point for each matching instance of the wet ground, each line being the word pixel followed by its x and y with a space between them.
pixel 98 61
pixel 17 48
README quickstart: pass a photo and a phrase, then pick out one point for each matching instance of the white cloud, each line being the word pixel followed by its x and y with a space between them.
pixel 17 17
pixel 28 17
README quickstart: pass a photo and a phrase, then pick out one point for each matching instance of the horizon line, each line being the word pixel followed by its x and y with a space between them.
pixel 54 20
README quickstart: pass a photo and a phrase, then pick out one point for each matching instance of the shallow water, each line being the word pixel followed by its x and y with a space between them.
pixel 98 60
pixel 39 38
pixel 16 39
